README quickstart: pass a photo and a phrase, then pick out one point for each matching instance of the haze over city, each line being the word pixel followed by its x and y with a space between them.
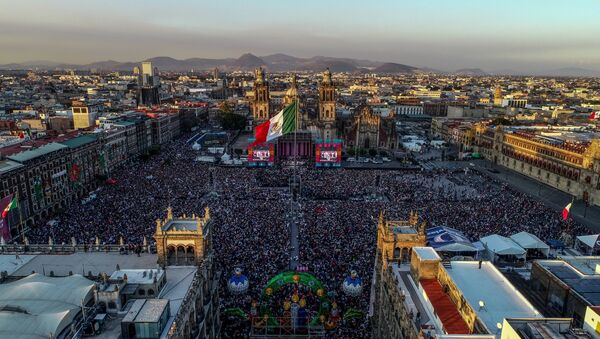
pixel 497 36
pixel 299 169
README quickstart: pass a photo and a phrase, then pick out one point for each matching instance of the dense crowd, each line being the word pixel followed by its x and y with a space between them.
pixel 337 219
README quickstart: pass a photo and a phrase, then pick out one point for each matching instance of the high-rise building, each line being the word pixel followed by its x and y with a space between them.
pixel 84 116
pixel 148 84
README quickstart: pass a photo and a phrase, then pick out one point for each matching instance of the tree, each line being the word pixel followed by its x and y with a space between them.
pixel 501 121
pixel 232 121
pixel 351 152
pixel 372 152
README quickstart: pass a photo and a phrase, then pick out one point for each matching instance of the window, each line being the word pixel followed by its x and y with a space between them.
pixel 112 305
pixel 141 292
pixel 150 292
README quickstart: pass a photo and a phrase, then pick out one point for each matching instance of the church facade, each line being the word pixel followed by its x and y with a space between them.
pixel 364 129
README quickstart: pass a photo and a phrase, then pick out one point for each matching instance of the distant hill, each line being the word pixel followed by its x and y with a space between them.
pixel 247 62
pixel 470 72
pixel 390 67
pixel 278 62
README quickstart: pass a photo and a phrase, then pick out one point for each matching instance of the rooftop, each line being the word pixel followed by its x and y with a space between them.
pixel 426 253
pixel 36 306
pixel 36 152
pixel 138 276
pixel 146 310
pixel 500 298
pixel 8 165
pixel 579 274
pixel 80 140
pixel 80 262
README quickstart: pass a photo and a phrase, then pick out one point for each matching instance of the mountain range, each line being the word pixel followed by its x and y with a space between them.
pixel 282 63
pixel 274 62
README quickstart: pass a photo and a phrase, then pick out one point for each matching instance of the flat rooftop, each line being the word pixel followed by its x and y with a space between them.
pixel 426 253
pixel 138 276
pixel 146 310
pixel 500 297
pixel 579 274
pixel 79 263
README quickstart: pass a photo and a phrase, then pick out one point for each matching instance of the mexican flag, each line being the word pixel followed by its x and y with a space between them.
pixel 566 210
pixel 11 206
pixel 282 123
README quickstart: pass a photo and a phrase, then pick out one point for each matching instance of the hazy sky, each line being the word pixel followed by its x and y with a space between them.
pixel 444 34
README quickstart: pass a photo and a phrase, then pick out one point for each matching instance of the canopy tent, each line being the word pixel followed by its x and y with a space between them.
pixel 531 243
pixel 36 305
pixel 585 243
pixel 446 239
pixel 502 248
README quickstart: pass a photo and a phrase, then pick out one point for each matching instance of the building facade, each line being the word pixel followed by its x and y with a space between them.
pixel 395 241
pixel 187 241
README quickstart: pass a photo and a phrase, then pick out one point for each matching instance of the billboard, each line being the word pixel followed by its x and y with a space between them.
pixel 261 155
pixel 328 153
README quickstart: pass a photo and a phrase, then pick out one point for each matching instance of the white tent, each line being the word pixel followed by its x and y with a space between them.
pixel 499 247
pixel 37 306
pixel 530 242
pixel 585 243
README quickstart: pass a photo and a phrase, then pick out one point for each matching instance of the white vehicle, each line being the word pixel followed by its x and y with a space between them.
pixel 386 159
pixel 351 159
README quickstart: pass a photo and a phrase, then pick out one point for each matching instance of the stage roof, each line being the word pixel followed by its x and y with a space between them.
pixel 502 245
pixel 529 241
pixel 35 306
pixel 446 239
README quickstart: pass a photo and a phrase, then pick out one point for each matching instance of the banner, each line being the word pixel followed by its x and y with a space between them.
pixel 4 227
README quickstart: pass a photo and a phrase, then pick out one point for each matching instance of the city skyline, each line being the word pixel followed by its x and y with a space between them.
pixel 432 34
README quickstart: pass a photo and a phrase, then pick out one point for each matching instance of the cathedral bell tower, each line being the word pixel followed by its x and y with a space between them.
pixel 327 107
pixel 260 103
pixel 327 98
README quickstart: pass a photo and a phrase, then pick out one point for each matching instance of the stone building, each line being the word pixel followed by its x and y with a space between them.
pixel 260 101
pixel 187 241
pixel 368 130
pixel 395 241
pixel 562 159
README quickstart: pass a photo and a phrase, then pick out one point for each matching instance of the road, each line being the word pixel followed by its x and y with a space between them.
pixel 551 197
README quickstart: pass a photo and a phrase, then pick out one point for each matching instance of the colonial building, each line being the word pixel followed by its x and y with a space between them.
pixel 327 116
pixel 187 241
pixel 395 240
pixel 566 160
pixel 371 131
pixel 260 100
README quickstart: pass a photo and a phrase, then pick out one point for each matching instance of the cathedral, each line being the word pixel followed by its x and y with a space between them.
pixel 364 129
pixel 323 127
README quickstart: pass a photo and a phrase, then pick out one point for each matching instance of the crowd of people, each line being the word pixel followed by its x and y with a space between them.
pixel 336 220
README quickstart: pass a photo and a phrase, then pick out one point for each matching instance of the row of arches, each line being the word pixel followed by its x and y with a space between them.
pixel 181 255
pixel 402 254
pixel 543 164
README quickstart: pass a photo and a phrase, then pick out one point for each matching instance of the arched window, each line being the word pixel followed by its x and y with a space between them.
pixel 150 292
pixel 141 292
pixel 112 305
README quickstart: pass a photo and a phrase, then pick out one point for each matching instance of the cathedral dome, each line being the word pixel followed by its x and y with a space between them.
pixel 292 92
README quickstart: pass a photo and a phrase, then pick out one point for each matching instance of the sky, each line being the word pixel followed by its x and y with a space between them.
pixel 519 35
